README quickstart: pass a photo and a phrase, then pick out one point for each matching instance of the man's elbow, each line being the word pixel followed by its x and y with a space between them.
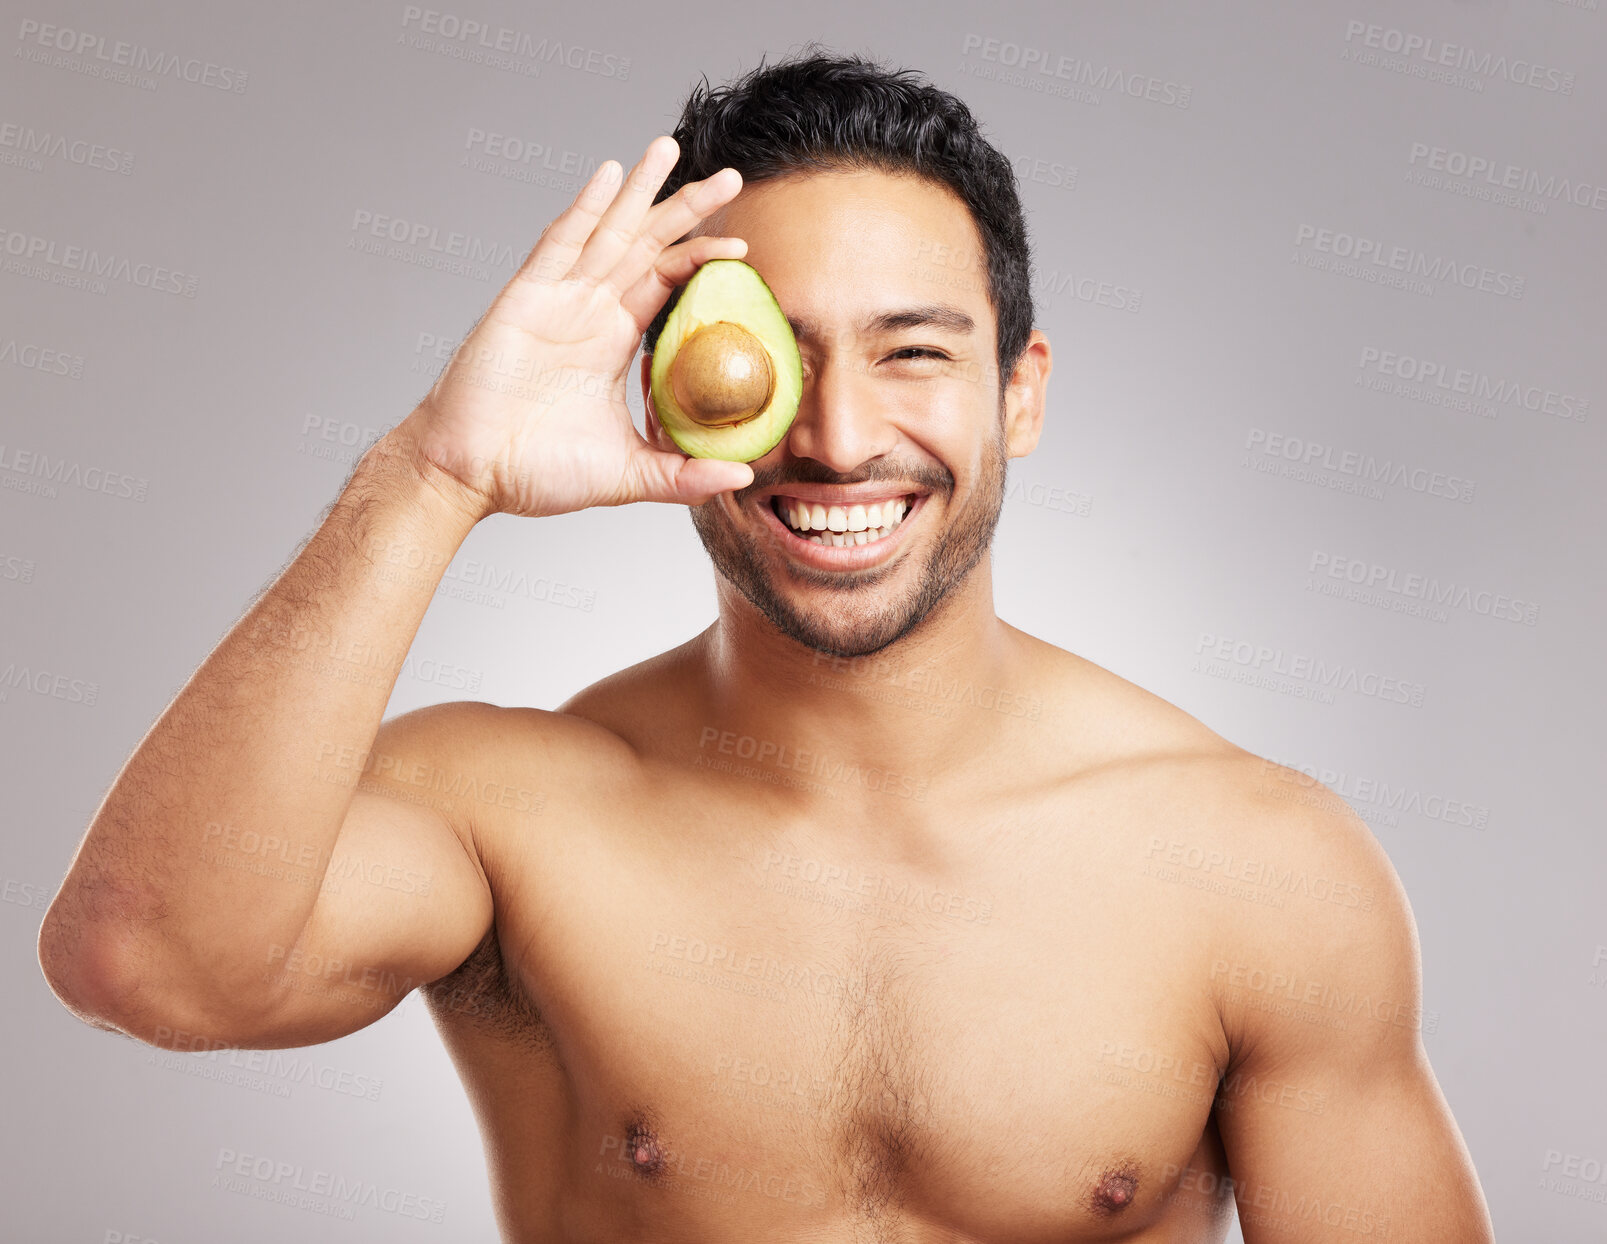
pixel 86 973
pixel 110 982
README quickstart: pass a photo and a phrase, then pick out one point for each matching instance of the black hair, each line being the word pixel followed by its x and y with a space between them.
pixel 821 111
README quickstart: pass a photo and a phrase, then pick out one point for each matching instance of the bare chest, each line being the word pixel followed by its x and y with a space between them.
pixel 767 1025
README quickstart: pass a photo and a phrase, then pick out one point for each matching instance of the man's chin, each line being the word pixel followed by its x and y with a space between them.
pixel 835 613
pixel 815 588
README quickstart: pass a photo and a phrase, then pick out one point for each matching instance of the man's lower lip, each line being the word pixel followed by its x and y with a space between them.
pixel 844 557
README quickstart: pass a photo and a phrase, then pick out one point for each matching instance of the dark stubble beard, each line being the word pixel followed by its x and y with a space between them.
pixel 860 621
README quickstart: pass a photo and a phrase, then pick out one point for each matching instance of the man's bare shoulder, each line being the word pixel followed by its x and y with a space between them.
pixel 1235 821
pixel 1103 723
pixel 479 733
pixel 1315 960
pixel 1281 882
pixel 1304 863
pixel 476 761
pixel 643 700
pixel 1302 918
pixel 479 760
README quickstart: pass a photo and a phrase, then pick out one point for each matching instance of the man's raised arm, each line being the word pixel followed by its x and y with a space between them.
pixel 176 916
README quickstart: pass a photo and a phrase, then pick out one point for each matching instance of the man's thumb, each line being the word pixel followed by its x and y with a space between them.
pixel 678 479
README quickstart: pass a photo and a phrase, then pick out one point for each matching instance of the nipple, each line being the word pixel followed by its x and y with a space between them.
pixel 1115 1192
pixel 643 1149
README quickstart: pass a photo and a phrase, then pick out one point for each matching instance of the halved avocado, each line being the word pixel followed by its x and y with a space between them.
pixel 726 374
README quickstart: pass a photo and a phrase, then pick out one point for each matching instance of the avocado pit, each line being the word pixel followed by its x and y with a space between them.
pixel 722 375
pixel 727 375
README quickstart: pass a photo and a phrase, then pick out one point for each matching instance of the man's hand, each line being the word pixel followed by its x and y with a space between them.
pixel 530 414
pixel 1334 1127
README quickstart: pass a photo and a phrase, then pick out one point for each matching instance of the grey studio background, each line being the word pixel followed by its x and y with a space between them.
pixel 1324 287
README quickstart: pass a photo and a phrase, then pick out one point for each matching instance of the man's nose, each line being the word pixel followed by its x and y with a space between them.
pixel 840 421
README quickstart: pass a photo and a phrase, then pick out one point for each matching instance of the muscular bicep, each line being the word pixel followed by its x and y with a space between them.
pixel 403 899
pixel 1332 1121
pixel 1323 1150
pixel 402 903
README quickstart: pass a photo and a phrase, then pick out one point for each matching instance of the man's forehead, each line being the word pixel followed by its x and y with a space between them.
pixel 848 206
pixel 868 251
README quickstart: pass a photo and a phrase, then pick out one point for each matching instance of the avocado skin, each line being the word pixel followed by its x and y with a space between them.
pixel 732 290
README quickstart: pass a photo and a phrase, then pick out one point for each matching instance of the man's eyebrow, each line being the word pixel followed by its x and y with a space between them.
pixel 949 319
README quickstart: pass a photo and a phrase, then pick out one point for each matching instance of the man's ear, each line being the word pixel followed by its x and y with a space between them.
pixel 1026 396
pixel 655 432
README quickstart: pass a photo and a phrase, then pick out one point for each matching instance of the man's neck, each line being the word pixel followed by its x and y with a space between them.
pixel 907 709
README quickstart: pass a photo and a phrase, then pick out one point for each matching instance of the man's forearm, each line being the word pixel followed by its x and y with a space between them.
pixel 264 744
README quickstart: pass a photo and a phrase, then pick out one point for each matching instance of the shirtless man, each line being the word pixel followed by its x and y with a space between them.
pixel 862 915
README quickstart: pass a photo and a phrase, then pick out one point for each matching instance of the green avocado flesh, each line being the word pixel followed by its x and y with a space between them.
pixel 728 368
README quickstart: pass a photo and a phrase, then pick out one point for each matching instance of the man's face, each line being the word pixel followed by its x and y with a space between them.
pixel 906 419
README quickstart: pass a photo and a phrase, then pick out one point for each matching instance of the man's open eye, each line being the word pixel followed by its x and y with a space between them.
pixel 918 352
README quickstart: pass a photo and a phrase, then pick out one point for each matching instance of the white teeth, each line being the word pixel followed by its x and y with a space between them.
pixel 842 526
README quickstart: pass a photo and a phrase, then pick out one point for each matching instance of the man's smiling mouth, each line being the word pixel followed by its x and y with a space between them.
pixel 842 525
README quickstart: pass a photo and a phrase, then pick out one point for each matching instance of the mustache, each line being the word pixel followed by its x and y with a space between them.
pixel 924 477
